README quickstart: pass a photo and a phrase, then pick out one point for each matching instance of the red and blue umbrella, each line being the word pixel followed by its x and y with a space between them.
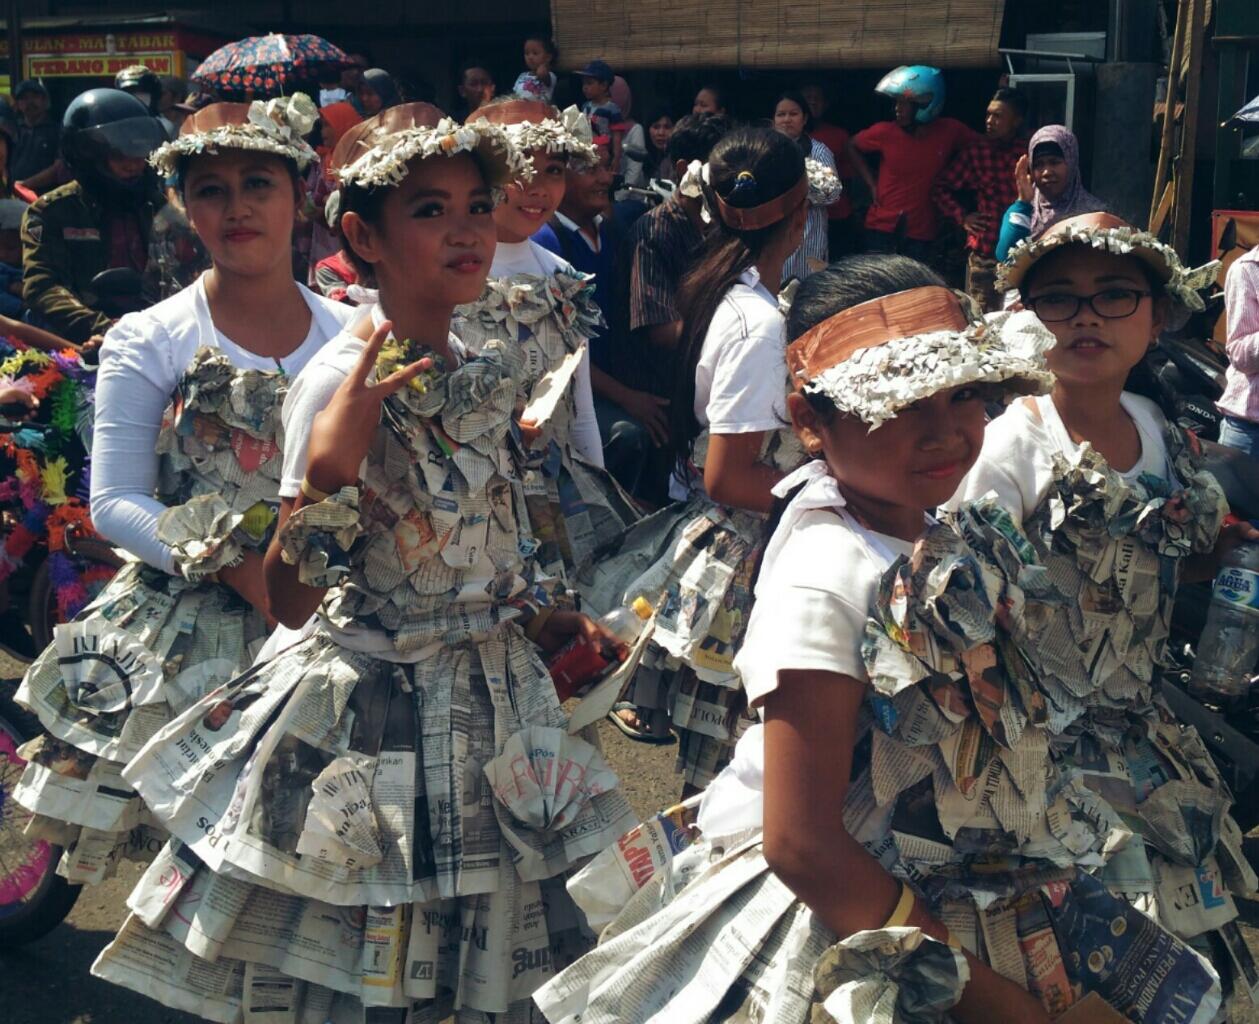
pixel 261 67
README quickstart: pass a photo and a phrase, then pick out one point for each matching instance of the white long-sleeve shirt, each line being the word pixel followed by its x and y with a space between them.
pixel 142 359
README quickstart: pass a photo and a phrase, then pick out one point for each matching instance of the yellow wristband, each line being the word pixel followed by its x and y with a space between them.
pixel 313 493
pixel 904 907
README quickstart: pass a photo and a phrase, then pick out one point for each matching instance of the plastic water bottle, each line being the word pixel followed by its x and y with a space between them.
pixel 1229 645
pixel 579 662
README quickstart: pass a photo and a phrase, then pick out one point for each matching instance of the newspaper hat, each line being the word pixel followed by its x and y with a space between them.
pixel 877 358
pixel 375 152
pixel 1111 234
pixel 275 126
pixel 535 124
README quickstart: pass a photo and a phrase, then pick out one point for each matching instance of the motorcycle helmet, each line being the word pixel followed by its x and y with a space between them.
pixel 143 84
pixel 923 85
pixel 101 123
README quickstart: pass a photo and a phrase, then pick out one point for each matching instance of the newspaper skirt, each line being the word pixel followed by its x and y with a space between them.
pixel 147 648
pixel 718 936
pixel 354 833
pixel 572 510
pixel 695 561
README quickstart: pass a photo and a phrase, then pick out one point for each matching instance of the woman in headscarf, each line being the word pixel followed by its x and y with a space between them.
pixel 377 92
pixel 1050 188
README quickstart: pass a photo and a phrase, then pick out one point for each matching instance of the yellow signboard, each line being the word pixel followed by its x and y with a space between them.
pixel 86 65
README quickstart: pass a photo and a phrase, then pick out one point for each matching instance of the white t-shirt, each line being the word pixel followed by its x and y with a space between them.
pixel 527 257
pixel 1020 445
pixel 741 376
pixel 819 580
pixel 142 360
pixel 313 390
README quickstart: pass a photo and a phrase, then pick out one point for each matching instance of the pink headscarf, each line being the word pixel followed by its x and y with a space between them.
pixel 1075 198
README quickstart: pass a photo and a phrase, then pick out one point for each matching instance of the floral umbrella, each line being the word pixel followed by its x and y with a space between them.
pixel 261 67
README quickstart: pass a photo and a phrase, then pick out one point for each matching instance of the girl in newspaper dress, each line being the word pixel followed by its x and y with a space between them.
pixel 694 560
pixel 374 825
pixel 185 474
pixel 533 297
pixel 1116 503
pixel 892 842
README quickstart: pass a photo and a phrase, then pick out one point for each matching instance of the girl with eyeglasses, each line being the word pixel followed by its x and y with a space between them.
pixel 1118 508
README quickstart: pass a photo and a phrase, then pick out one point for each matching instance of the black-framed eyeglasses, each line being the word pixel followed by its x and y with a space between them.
pixel 1111 304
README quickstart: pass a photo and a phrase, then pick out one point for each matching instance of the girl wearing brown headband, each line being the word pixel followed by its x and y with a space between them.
pixel 730 438
pixel 894 840
pixel 185 476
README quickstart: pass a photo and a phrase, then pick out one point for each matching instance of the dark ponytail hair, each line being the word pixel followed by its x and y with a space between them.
pixel 844 284
pixel 747 167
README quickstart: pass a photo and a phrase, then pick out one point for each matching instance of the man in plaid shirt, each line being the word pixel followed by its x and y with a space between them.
pixel 986 169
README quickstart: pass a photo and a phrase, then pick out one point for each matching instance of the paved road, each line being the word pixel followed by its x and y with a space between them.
pixel 48 982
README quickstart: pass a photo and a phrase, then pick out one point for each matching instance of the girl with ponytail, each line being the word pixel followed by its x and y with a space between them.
pixel 729 420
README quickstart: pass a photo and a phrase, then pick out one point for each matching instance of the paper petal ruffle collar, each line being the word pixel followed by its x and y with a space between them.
pixel 272 126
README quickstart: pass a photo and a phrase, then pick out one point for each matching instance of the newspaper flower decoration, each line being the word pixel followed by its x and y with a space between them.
pixel 385 164
pixel 517 303
pixel 824 184
pixel 276 126
pixel 1005 352
pixel 570 134
pixel 1108 233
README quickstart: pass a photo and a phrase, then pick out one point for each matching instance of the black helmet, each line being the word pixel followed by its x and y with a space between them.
pixel 101 123
pixel 139 79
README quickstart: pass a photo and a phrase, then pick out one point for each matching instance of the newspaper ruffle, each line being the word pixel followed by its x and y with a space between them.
pixel 1185 282
pixel 158 644
pixel 824 184
pixel 571 509
pixel 518 304
pixel 397 754
pixel 317 538
pixel 1004 354
pixel 385 165
pixel 719 936
pixel 570 134
pixel 897 975
pixel 202 536
pixel 275 126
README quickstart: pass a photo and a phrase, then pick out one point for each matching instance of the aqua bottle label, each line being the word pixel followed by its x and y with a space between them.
pixel 1238 587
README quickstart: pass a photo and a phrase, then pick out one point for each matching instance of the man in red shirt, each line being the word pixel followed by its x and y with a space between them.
pixel 912 149
pixel 843 235
pixel 985 168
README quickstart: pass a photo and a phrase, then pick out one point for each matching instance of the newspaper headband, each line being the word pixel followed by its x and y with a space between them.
pixel 1109 233
pixel 880 357
pixel 823 186
pixel 273 126
pixel 376 153
pixel 536 125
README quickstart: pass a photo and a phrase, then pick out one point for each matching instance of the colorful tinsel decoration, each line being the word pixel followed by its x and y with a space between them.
pixel 47 493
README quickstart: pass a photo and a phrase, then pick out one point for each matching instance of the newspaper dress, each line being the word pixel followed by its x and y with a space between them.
pixel 1111 550
pixel 571 508
pixel 151 644
pixel 695 560
pixel 374 825
pixel 957 789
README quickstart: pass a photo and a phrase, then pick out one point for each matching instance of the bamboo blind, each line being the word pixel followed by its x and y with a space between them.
pixel 635 34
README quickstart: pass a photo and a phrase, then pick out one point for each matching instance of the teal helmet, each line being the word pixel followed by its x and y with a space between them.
pixel 923 85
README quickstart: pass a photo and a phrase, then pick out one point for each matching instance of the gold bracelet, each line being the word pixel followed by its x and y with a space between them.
pixel 904 907
pixel 534 627
pixel 313 493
